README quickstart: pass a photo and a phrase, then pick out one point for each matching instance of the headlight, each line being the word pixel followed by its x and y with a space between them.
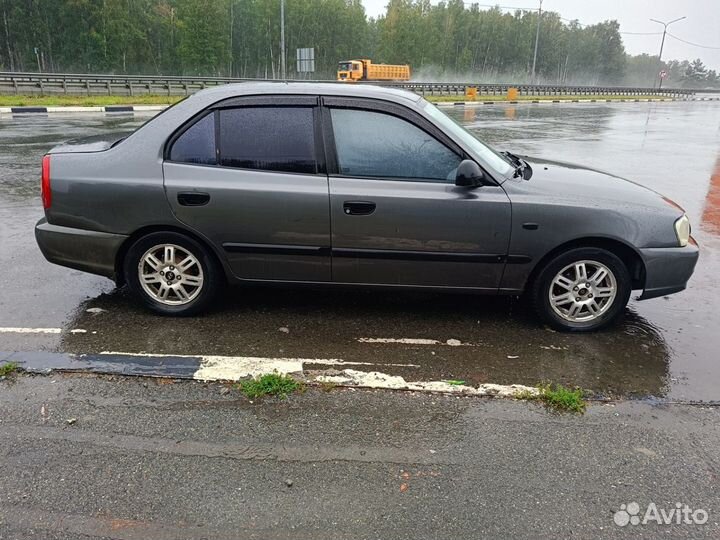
pixel 682 230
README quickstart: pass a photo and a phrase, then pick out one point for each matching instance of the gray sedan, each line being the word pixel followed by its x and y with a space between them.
pixel 351 185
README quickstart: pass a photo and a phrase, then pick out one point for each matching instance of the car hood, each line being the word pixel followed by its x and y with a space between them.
pixel 95 143
pixel 593 187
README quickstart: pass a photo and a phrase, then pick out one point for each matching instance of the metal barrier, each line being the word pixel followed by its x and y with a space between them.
pixel 131 85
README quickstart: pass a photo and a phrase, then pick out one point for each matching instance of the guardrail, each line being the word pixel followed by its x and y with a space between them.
pixel 131 85
pixel 540 89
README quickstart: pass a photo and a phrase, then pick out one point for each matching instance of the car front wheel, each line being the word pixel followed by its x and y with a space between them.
pixel 582 290
pixel 171 273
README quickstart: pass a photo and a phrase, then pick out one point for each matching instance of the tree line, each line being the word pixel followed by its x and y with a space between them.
pixel 241 38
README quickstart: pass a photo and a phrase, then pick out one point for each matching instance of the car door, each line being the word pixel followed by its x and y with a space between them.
pixel 249 175
pixel 397 217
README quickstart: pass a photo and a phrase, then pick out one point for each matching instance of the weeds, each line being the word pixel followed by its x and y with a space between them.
pixel 558 397
pixel 327 386
pixel 8 369
pixel 271 384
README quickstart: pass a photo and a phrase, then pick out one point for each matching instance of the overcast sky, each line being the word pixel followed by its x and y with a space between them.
pixel 702 25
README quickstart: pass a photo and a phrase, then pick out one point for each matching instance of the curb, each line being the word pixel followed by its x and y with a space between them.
pixel 72 109
pixel 176 367
pixel 553 101
pixel 236 368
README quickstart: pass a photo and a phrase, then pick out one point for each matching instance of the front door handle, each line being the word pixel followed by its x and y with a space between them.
pixel 193 198
pixel 358 208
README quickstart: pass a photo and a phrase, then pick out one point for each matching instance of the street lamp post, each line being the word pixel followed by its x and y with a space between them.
pixel 662 43
pixel 537 38
pixel 282 39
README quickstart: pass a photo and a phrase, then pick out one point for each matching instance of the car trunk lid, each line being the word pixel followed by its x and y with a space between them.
pixel 95 143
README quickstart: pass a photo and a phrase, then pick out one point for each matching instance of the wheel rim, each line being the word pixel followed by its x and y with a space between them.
pixel 583 291
pixel 170 274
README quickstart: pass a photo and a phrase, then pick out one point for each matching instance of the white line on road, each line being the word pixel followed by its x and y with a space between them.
pixel 375 379
pixel 228 368
pixel 10 330
pixel 416 341
pixel 233 368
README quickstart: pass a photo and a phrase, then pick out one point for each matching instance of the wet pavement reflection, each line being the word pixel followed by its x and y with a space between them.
pixel 665 348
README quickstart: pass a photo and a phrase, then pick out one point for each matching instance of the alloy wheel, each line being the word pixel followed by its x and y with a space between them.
pixel 582 291
pixel 170 274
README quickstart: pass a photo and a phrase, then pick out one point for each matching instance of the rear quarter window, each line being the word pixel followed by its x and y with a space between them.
pixel 197 143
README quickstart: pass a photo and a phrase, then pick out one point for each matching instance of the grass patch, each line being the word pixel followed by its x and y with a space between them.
pixel 327 386
pixel 153 99
pixel 271 384
pixel 85 101
pixel 557 397
pixel 8 369
pixel 503 97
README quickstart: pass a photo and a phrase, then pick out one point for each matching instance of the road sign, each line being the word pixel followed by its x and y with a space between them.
pixel 306 60
pixel 663 74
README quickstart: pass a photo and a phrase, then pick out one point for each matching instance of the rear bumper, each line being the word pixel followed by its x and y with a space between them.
pixel 89 251
pixel 667 270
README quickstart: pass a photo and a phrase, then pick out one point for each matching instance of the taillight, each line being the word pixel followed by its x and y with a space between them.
pixel 45 192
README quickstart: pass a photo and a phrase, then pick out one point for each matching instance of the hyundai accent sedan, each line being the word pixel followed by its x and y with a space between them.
pixel 366 186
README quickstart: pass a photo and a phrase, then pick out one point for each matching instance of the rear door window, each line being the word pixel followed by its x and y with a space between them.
pixel 268 139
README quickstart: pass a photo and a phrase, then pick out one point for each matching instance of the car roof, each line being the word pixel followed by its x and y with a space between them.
pixel 328 89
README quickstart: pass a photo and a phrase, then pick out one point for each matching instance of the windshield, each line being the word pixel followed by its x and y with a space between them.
pixel 487 154
pixel 344 66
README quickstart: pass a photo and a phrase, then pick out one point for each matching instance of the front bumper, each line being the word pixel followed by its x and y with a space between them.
pixel 667 270
pixel 89 251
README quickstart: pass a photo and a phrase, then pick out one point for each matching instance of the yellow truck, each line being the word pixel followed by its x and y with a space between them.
pixel 365 70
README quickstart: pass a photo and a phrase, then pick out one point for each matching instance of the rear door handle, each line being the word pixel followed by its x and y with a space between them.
pixel 358 208
pixel 193 198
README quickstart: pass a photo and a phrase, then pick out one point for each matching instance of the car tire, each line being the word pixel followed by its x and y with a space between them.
pixel 571 299
pixel 172 274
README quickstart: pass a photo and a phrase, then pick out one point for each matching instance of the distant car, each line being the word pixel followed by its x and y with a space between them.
pixel 329 184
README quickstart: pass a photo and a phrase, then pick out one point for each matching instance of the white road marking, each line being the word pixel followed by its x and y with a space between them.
pixel 375 379
pixel 416 341
pixel 10 330
pixel 73 109
pixel 340 362
pixel 225 368
pixel 149 107
pixel 233 368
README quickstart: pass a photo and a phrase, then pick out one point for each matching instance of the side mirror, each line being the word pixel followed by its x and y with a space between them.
pixel 469 174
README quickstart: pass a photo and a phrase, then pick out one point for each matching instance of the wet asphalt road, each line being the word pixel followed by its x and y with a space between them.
pixel 152 460
pixel 665 348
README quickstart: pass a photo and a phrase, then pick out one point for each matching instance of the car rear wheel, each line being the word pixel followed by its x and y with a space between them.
pixel 582 290
pixel 172 274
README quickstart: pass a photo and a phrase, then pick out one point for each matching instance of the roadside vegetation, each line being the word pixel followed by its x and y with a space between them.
pixel 8 369
pixel 85 101
pixel 271 384
pixel 558 397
